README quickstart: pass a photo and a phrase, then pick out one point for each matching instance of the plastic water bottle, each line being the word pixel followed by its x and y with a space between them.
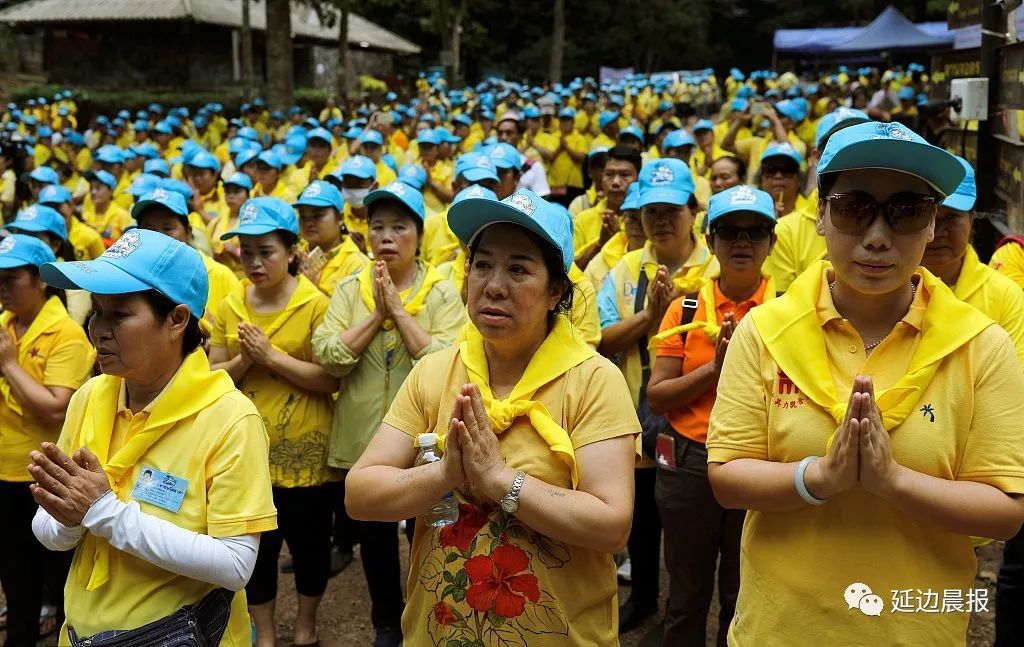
pixel 445 511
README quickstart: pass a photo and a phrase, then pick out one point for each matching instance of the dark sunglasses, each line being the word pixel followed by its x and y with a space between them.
pixel 906 213
pixel 731 234
pixel 769 169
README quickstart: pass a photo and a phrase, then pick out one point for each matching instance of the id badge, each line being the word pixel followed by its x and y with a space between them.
pixel 159 488
pixel 665 451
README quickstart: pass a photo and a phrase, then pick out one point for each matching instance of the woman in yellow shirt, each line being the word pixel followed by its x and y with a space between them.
pixel 868 419
pixel 539 436
pixel 159 480
pixel 104 214
pixel 227 252
pixel 381 321
pixel 44 357
pixel 263 339
pixel 268 177
pixel 322 223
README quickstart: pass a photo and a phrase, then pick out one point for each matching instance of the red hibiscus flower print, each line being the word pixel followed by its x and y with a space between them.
pixel 444 614
pixel 497 582
pixel 461 533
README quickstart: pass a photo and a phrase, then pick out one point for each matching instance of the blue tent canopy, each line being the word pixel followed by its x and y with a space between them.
pixel 890 30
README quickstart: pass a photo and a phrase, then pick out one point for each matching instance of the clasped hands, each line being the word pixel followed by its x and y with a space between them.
pixel 385 294
pixel 66 486
pixel 861 452
pixel 472 454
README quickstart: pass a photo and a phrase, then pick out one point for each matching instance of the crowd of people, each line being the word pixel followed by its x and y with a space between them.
pixel 735 320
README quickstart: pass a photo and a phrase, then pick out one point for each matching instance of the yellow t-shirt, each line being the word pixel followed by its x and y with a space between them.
pixel 442 173
pixel 798 247
pixel 439 243
pixel 344 260
pixel 221 450
pixel 995 295
pixel 587 226
pixel 214 205
pixel 797 564
pixel 385 174
pixel 222 283
pixel 555 594
pixel 609 256
pixel 298 421
pixel 8 183
pixel 87 242
pixel 281 190
pixel 584 315
pixel 563 170
pixel 110 224
pixel 54 351
pixel 1008 260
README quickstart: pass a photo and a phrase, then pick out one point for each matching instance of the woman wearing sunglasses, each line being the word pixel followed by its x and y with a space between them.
pixel 690 352
pixel 868 420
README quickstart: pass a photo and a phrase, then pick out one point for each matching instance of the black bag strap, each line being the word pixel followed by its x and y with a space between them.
pixel 689 312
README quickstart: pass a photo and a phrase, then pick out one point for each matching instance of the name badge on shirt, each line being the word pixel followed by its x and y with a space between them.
pixel 161 489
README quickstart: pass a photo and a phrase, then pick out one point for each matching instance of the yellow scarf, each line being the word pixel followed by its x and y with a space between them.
pixel 52 313
pixel 459 270
pixel 710 328
pixel 305 291
pixel 791 330
pixel 193 388
pixel 691 279
pixel 972 275
pixel 561 351
pixel 613 250
pixel 413 302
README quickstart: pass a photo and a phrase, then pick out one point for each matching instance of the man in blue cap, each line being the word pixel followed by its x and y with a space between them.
pixel 371 144
pixel 437 192
pixel 533 175
pixel 608 125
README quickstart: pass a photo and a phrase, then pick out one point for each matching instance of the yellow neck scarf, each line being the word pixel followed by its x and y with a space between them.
pixel 710 328
pixel 193 388
pixel 613 250
pixel 459 270
pixel 972 275
pixel 689 279
pixel 52 313
pixel 305 291
pixel 413 302
pixel 561 351
pixel 792 332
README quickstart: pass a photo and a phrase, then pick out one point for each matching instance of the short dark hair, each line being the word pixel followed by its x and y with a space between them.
pixel 162 306
pixel 625 154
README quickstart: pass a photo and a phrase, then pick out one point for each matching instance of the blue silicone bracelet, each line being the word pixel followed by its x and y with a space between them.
pixel 801 487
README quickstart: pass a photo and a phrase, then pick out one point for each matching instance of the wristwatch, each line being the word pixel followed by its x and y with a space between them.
pixel 510 502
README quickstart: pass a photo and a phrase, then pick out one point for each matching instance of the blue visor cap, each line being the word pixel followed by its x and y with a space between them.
pixel 632 200
pixel 703 124
pixel 446 136
pixel 370 136
pixel 359 166
pixel 140 260
pixel 54 194
pixel 248 132
pixel 428 136
pixel 321 194
pixel 44 175
pixel 837 120
pixel 474 191
pixel 505 156
pixel 476 167
pixel 247 155
pixel 607 118
pixel 143 184
pixel 239 179
pixel 263 215
pixel 414 175
pixel 632 131
pixel 525 208
pixel 782 150
pixel 271 159
pixel 966 194
pixel 102 177
pixel 322 134
pixel 408 196
pixel 160 197
pixel 567 113
pixel 666 181
pixel 110 155
pixel 678 139
pixel 156 167
pixel 741 199
pixel 462 119
pixel 147 150
pixel 19 250
pixel 894 147
pixel 206 160
pixel 38 218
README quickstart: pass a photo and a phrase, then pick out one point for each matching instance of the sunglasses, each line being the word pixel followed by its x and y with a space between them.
pixel 769 169
pixel 731 234
pixel 906 213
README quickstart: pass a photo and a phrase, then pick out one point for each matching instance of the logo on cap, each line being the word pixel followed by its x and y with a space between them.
pixel 663 174
pixel 6 245
pixel 483 162
pixel 898 132
pixel 28 214
pixel 124 246
pixel 395 187
pixel 312 191
pixel 248 213
pixel 160 194
pixel 743 195
pixel 475 192
pixel 522 202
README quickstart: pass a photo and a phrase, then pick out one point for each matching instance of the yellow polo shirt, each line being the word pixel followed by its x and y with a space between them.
pixel 798 247
pixel 563 170
pixel 87 242
pixel 1008 260
pixel 111 223
pixel 344 260
pixel 587 226
pixel 441 173
pixel 997 296
pixel 796 565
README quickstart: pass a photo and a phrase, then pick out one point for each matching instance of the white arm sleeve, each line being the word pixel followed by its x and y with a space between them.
pixel 225 561
pixel 536 180
pixel 54 535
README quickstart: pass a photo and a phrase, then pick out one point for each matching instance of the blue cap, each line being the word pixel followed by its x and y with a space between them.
pixel 836 120
pixel 446 136
pixel 524 208
pixel 353 133
pixel 141 125
pixel 505 156
pixel 44 131
pixel 597 150
pixel 401 192
pixel 312 122
pixel 632 131
pixel 239 179
pixel 792 109
pixel 239 144
pixel 678 139
pixel 143 184
pixel 906 93
pixel 263 215
pixel 147 150
pixel 476 167
pixel 782 150
pixel 103 177
pixel 321 194
pixel 891 146
pixel 109 155
pixel 73 137
pixel 414 175
pixel 294 149
pixel 140 260
pixel 741 198
pixel 966 194
pixel 177 186
pixel 249 133
pixel 270 158
pixel 474 191
pixel 174 202
pixel 359 166
pixel 462 119
pixel 607 118
pixel 163 128
pixel 428 136
pixel 157 167
pixel 18 250
pixel 632 199
pixel 531 112
pixel 38 218
pixel 54 194
pixel 665 180
pixel 203 159
pixel 703 124
pixel 323 134
pixel 371 136
pixel 567 113
pixel 44 175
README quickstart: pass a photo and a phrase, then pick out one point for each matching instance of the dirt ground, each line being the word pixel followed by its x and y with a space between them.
pixel 345 611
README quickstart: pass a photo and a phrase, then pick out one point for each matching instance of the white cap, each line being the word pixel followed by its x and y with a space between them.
pixel 426 440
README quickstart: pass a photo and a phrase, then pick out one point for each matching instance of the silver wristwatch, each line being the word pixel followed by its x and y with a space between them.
pixel 510 502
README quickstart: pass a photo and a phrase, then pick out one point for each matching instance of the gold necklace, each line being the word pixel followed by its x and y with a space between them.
pixel 867 347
